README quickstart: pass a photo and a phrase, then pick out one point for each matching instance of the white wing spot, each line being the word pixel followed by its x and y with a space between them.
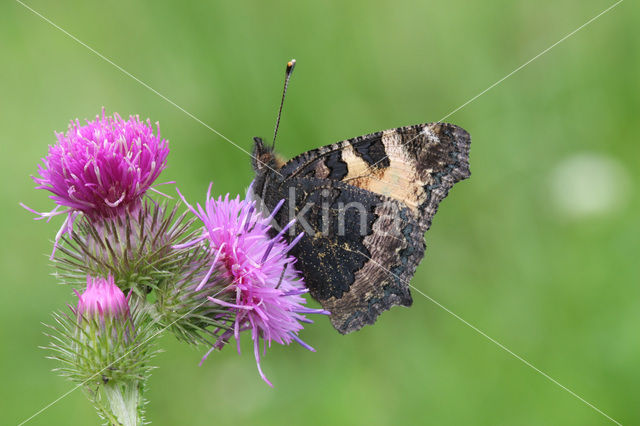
pixel 430 135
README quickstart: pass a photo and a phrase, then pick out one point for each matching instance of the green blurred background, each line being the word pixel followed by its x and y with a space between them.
pixel 539 249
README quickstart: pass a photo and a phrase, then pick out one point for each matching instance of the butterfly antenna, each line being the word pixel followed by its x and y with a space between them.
pixel 290 65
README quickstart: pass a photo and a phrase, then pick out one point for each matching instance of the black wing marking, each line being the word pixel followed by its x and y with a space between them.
pixel 350 234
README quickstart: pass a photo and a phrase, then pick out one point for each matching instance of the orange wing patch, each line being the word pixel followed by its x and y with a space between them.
pixel 400 180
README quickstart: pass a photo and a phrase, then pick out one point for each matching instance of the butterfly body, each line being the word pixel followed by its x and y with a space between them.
pixel 364 205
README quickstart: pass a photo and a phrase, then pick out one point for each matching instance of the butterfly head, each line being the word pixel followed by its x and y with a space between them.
pixel 264 158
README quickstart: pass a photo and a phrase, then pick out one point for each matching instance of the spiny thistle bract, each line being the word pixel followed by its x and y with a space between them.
pixel 144 253
pixel 138 250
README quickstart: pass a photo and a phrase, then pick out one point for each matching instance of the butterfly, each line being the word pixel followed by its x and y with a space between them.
pixel 364 205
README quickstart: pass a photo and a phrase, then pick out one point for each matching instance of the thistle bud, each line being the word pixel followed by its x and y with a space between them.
pixel 106 346
pixel 103 299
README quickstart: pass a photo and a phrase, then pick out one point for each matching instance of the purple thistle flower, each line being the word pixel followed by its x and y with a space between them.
pixel 265 288
pixel 101 169
pixel 102 299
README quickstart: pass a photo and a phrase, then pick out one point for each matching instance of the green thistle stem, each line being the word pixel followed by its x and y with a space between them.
pixel 125 402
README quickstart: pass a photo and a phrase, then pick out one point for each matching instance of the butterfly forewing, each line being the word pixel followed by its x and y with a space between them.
pixel 416 165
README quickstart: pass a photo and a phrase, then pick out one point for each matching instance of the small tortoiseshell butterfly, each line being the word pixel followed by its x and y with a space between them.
pixel 364 205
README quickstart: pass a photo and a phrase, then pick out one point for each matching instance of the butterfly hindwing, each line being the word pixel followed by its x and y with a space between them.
pixel 360 249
